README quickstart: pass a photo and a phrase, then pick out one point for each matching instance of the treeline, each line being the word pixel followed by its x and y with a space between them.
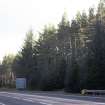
pixel 69 57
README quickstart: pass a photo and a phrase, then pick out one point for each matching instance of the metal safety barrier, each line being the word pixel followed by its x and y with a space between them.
pixel 93 92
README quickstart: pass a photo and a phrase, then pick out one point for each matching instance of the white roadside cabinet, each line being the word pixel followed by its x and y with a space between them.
pixel 21 83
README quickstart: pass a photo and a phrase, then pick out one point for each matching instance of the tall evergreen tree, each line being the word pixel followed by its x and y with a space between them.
pixel 23 64
pixel 97 57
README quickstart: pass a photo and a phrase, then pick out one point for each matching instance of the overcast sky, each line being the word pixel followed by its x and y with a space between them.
pixel 18 16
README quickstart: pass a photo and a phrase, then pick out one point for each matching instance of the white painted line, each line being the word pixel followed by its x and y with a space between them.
pixel 44 100
pixel 16 98
pixel 25 99
pixel 45 103
pixel 2 103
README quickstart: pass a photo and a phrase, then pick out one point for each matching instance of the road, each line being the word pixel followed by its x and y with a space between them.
pixel 17 98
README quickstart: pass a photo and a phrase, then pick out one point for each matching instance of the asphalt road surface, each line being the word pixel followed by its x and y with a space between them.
pixel 17 98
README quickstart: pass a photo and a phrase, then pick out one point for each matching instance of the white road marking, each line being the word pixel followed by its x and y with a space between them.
pixel 17 98
pixel 25 99
pixel 2 103
pixel 45 103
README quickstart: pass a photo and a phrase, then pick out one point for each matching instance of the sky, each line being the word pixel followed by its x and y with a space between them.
pixel 19 16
